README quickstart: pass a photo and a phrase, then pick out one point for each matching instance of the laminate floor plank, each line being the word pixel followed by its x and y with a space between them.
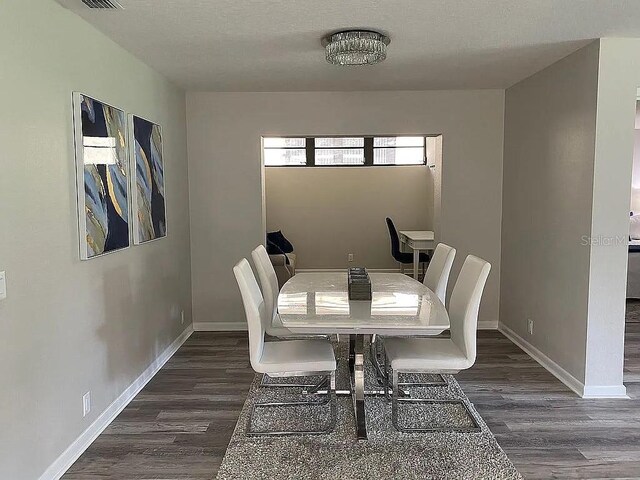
pixel 179 425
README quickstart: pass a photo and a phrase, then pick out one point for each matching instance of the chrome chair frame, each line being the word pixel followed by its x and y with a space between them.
pixel 330 398
pixel 396 399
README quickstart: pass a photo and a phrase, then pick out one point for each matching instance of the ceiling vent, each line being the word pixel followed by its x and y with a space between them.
pixel 103 4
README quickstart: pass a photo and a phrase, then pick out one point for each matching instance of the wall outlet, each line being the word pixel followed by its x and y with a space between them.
pixel 530 326
pixel 86 403
pixel 182 317
pixel 3 286
pixel 350 257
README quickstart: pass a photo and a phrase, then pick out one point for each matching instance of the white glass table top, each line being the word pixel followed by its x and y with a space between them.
pixel 319 303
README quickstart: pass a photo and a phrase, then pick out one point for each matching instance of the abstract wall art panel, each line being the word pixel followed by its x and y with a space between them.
pixel 102 176
pixel 149 216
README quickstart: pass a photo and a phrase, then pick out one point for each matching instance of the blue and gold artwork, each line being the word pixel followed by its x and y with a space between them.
pixel 103 188
pixel 149 200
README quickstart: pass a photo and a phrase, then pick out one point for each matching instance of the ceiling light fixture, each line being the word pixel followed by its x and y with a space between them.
pixel 356 47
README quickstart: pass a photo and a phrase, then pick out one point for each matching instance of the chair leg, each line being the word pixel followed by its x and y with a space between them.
pixel 265 384
pixel 395 401
pixel 386 377
pixel 374 354
pixel 441 383
pixel 330 398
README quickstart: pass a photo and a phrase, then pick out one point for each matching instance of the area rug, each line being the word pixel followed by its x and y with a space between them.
pixel 387 454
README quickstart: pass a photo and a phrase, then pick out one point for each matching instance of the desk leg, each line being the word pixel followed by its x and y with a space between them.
pixel 416 262
pixel 356 364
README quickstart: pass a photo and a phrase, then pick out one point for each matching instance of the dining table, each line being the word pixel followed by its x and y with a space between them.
pixel 317 303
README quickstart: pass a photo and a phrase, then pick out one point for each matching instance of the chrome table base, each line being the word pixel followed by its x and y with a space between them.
pixel 356 367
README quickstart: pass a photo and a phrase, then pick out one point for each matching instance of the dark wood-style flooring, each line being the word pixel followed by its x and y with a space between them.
pixel 179 425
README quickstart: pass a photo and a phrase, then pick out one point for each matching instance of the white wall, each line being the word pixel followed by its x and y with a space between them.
pixel 635 180
pixel 328 212
pixel 225 177
pixel 70 326
pixel 568 155
pixel 618 81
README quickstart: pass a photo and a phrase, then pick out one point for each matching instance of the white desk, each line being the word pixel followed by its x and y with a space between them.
pixel 417 240
pixel 318 303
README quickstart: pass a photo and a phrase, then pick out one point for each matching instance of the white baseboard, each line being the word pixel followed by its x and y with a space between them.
pixel 220 326
pixel 605 391
pixel 73 452
pixel 560 373
pixel 589 391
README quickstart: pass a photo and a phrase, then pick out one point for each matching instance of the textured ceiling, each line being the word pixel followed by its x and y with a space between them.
pixel 274 45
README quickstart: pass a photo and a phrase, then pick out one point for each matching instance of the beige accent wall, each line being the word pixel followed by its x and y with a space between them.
pixel 328 213
pixel 567 176
pixel 226 182
pixel 70 326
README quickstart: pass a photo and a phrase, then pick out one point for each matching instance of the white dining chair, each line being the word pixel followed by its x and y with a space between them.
pixel 439 269
pixel 441 355
pixel 435 279
pixel 274 328
pixel 285 358
pixel 270 290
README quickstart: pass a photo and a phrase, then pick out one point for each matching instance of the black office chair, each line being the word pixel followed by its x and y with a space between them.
pixel 403 258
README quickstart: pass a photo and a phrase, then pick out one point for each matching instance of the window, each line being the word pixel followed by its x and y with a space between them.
pixel 280 151
pixel 339 151
pixel 344 151
pixel 398 150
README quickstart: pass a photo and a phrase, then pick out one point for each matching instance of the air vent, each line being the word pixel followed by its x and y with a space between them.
pixel 104 4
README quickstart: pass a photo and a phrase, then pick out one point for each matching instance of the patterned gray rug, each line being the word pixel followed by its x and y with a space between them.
pixel 386 454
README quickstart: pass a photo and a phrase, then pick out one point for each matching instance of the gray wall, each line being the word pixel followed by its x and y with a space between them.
pixel 618 81
pixel 567 176
pixel 550 126
pixel 328 213
pixel 72 326
pixel 225 174
pixel 635 182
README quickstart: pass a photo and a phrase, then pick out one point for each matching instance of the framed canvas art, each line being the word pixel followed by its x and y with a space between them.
pixel 102 171
pixel 149 214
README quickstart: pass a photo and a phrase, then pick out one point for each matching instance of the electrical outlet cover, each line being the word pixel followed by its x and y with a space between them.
pixel 86 404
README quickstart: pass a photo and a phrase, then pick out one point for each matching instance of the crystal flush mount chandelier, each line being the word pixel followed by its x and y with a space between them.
pixel 356 47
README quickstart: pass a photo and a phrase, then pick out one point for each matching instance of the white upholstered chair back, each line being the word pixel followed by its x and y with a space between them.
pixel 437 276
pixel 268 280
pixel 254 309
pixel 465 302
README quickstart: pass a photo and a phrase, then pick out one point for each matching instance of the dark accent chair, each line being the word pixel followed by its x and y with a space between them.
pixel 403 258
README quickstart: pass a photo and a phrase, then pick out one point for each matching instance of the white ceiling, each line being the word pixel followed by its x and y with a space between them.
pixel 274 45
